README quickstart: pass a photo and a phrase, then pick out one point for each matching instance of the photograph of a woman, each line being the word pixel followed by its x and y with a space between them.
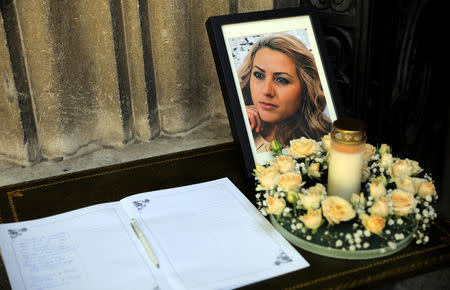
pixel 282 92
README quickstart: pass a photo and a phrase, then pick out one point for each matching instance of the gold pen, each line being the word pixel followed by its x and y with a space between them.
pixel 144 242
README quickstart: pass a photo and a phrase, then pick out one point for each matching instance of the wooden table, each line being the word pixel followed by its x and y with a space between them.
pixel 41 198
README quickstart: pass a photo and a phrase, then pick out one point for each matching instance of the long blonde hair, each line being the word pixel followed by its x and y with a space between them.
pixel 309 121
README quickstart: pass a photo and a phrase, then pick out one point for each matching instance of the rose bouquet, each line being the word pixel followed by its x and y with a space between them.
pixel 395 202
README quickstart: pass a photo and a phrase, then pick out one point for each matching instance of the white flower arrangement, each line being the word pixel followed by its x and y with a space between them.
pixel 396 200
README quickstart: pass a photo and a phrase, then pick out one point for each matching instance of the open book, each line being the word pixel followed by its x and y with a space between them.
pixel 204 236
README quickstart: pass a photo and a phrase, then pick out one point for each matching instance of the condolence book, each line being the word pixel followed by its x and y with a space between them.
pixel 202 236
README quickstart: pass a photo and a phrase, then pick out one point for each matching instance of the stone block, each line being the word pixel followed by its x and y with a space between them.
pixel 186 80
pixel 72 74
pixel 12 146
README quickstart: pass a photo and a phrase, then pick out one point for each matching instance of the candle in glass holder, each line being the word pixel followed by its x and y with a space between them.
pixel 346 157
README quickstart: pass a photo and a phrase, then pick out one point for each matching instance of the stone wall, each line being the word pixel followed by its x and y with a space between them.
pixel 81 76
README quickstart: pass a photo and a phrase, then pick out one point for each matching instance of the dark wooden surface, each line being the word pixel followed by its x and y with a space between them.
pixel 55 195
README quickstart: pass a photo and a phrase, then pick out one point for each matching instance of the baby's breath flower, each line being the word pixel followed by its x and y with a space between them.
pixel 399 236
pixel 392 245
pixel 396 228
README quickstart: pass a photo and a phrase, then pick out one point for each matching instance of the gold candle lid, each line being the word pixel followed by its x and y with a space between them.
pixel 349 131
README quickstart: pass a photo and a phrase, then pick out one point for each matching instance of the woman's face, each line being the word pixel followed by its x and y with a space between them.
pixel 275 86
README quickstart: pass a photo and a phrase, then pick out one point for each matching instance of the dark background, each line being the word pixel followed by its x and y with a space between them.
pixel 388 62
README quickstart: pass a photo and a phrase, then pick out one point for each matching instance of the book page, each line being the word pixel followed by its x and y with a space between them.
pixel 209 236
pixel 90 248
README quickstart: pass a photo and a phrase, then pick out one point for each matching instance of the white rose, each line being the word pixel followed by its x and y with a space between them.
pixel 275 205
pixel 319 188
pixel 326 142
pixel 409 184
pixel 380 179
pixel 284 164
pixel 365 173
pixel 290 181
pixel 357 200
pixel 303 147
pixel 336 209
pixel 380 207
pixel 426 188
pixel 269 177
pixel 377 190
pixel 313 196
pixel 386 160
pixel 258 169
pixel 405 167
pixel 373 223
pixel 369 151
pixel 313 170
pixel 384 148
pixel 403 202
pixel 313 219
pixel 311 200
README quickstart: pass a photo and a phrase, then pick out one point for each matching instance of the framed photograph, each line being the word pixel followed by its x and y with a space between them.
pixel 274 78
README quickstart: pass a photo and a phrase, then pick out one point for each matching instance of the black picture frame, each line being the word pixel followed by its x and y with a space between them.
pixel 224 29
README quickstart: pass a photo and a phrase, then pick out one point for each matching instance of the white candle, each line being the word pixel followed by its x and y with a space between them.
pixel 345 170
pixel 346 157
